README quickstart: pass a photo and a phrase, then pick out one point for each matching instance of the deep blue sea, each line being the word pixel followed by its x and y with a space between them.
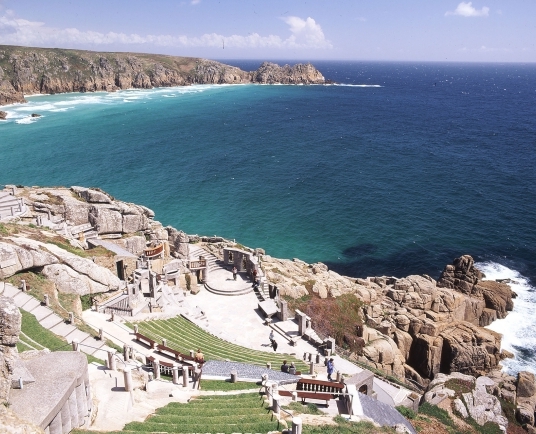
pixel 396 170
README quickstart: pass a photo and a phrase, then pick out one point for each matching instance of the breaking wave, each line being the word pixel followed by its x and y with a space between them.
pixel 518 327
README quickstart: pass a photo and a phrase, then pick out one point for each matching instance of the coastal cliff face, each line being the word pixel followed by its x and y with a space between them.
pixel 411 327
pixel 25 71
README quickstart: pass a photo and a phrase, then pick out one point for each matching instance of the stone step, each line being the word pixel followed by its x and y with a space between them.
pixel 238 291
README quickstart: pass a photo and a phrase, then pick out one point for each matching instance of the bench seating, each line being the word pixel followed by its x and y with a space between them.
pixel 145 340
pixel 309 395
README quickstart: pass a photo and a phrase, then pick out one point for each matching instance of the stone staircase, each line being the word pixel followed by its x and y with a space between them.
pixel 49 320
pixel 11 206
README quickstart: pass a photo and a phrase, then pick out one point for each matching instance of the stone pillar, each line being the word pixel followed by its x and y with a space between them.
pixel 112 363
pixel 338 377
pixel 276 404
pixel 296 425
pixel 135 328
pixel 175 373
pixel 269 392
pixel 311 368
pixel 330 344
pixel 295 396
pixel 76 345
pixel 127 374
pixel 112 319
pixel 191 353
pixel 151 376
pixel 185 376
pixel 23 285
pixel 55 425
pixel 234 376
pixel 305 355
pixel 101 332
pixel 300 317
pixel 73 409
pixel 283 310
pixel 268 365
pixel 81 402
pixel 156 370
pixel 66 418
pixel 46 300
pixel 71 318
pixel 125 352
pixel 164 342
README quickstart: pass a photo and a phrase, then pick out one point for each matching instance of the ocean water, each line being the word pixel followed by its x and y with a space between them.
pixel 395 170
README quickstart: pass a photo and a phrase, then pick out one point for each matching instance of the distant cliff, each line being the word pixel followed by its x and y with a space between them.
pixel 25 70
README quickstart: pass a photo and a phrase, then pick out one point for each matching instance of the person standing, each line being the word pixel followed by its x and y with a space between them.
pixel 331 366
pixel 274 344
pixel 235 272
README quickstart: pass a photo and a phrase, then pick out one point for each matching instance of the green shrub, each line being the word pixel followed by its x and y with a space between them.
pixel 408 413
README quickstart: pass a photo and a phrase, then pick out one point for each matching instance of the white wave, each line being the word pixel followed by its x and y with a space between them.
pixel 27 120
pixel 518 327
pixel 63 109
pixel 36 107
pixel 355 85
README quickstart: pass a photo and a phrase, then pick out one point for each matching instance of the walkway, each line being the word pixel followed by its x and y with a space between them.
pixel 57 325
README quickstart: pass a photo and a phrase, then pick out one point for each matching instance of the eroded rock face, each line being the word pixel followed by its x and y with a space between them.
pixel 49 71
pixel 22 258
pixel 178 241
pixel 10 323
pixel 270 73
pixel 11 423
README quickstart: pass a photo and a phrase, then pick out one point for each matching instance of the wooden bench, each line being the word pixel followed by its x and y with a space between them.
pixel 309 395
pixel 176 355
pixel 319 386
pixel 145 340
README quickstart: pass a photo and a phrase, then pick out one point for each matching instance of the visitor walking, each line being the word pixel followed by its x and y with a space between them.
pixel 271 337
pixel 330 365
pixel 274 344
pixel 235 272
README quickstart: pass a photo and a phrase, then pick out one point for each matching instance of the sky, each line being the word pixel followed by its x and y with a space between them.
pixel 386 30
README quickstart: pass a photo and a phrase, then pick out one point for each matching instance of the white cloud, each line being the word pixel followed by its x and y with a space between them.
pixel 17 31
pixel 195 2
pixel 467 10
pixel 306 33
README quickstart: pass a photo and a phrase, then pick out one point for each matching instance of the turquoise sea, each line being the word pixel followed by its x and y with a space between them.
pixel 396 170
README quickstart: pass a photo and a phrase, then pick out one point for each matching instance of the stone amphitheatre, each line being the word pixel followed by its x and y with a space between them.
pixel 104 313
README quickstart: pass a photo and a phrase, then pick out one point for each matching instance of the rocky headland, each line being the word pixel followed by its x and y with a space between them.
pixel 26 71
pixel 416 328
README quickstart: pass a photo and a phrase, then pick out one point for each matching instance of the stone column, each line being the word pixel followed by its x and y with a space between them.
pixel 175 373
pixel 268 365
pixel 296 425
pixel 125 352
pixel 23 285
pixel 276 407
pixel 338 377
pixel 234 376
pixel 156 370
pixel 75 345
pixel 164 342
pixel 81 402
pixel 185 376
pixel 46 300
pixel 127 374
pixel 66 418
pixel 112 364
pixel 55 425
pixel 294 396
pixel 317 360
pixel 71 318
pixel 135 328
pixel 311 368
pixel 191 353
pixel 73 409
pixel 101 332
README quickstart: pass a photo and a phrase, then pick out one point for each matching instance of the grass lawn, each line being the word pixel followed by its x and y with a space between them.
pixel 43 338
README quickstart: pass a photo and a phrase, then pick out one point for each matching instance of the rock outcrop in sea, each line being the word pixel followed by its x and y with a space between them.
pixel 25 70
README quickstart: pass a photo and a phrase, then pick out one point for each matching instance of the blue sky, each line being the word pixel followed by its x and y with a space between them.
pixel 412 30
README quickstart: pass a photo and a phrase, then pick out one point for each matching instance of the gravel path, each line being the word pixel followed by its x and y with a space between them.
pixel 246 371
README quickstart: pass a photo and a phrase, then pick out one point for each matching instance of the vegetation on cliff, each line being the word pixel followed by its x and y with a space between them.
pixel 27 70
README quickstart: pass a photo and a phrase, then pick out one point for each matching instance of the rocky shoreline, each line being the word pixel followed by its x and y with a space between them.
pixel 27 71
pixel 415 327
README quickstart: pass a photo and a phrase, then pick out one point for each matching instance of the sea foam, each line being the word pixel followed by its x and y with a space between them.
pixel 519 325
